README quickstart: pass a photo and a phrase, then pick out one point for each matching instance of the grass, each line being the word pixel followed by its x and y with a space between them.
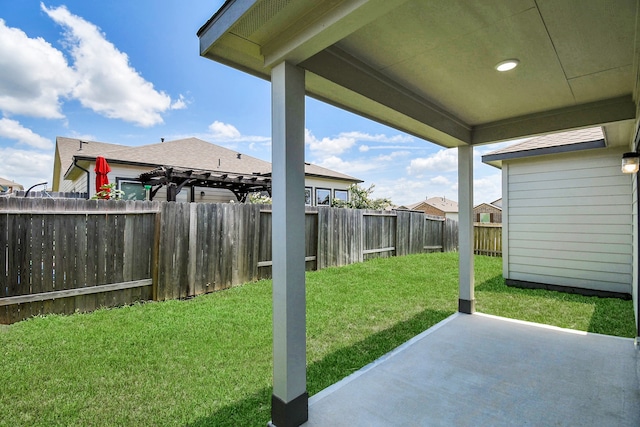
pixel 207 361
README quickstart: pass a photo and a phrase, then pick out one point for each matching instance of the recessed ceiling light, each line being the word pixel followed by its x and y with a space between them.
pixel 507 65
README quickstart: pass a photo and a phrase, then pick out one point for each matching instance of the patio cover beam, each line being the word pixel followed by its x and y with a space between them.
pixel 339 67
pixel 289 402
pixel 322 27
pixel 466 301
pixel 578 116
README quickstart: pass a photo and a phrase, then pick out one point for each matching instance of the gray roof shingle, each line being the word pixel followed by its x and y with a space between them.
pixel 190 153
pixel 574 140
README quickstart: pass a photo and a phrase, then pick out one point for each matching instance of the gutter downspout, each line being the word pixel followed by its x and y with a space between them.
pixel 75 163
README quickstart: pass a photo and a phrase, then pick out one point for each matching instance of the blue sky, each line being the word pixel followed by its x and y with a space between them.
pixel 129 72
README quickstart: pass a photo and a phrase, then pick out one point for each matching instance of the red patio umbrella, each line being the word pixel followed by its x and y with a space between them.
pixel 102 169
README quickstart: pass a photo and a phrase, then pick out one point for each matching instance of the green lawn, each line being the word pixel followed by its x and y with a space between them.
pixel 207 361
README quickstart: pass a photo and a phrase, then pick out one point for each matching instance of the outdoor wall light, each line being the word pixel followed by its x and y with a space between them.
pixel 507 65
pixel 630 162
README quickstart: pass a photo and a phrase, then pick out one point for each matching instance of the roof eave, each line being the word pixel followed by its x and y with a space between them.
pixel 222 21
pixel 496 159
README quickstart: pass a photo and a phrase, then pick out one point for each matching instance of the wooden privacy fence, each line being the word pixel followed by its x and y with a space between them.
pixel 64 255
pixel 207 247
pixel 487 239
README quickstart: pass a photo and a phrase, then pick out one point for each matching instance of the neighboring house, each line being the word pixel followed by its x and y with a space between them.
pixel 567 217
pixel 8 186
pixel 74 164
pixel 488 212
pixel 436 206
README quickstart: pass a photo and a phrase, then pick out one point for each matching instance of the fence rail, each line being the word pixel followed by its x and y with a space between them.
pixel 67 255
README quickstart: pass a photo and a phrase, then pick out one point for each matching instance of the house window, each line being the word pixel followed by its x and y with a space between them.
pixel 341 195
pixel 323 197
pixel 133 190
pixel 307 196
pixel 485 217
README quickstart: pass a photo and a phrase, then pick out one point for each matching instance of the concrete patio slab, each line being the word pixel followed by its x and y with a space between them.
pixel 484 370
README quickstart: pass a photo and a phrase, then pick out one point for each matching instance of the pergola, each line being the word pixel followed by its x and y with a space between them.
pixel 175 179
pixel 427 68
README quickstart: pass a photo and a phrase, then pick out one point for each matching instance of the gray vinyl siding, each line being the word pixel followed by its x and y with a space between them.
pixel 634 207
pixel 570 221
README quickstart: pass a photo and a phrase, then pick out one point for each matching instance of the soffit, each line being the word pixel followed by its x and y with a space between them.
pixel 427 68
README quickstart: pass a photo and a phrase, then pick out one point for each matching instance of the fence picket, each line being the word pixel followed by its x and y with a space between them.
pixel 51 245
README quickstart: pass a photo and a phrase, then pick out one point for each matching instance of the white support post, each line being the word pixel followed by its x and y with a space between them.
pixel 466 301
pixel 289 402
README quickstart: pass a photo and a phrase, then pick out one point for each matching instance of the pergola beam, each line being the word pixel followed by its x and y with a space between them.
pixel 240 185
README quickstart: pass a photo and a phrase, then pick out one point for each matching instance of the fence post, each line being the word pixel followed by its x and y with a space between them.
pixel 193 249
pixel 155 258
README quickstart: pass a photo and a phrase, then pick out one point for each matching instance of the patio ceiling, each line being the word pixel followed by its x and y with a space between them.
pixel 427 68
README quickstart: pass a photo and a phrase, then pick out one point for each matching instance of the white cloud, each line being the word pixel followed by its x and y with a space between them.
pixel 179 104
pixel 404 191
pixel 445 160
pixel 33 75
pixel 12 129
pixel 328 147
pixel 361 136
pixel 487 189
pixel 220 133
pixel 107 83
pixel 225 131
pixel 440 180
pixel 348 167
pixel 394 147
pixel 25 167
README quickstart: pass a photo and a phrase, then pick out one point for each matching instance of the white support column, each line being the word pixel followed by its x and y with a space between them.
pixel 289 403
pixel 466 301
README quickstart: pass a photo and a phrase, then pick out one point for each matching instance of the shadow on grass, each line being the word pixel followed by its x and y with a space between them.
pixel 255 409
pixel 611 316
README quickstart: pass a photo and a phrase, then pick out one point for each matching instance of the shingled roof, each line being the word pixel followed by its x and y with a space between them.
pixel 562 142
pixel 441 203
pixel 8 183
pixel 192 153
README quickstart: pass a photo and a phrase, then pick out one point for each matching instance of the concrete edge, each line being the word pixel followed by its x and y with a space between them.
pixel 327 391
pixel 551 327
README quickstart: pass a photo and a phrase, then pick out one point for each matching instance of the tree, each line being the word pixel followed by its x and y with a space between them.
pixel 360 198
pixel 109 192
pixel 259 199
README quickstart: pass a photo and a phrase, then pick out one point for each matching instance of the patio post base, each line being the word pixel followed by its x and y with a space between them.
pixel 466 306
pixel 289 414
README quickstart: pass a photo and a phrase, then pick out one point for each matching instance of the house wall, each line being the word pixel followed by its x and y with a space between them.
pixel 430 210
pixel 496 216
pixel 569 221
pixel 320 183
pixel 636 236
pixel 452 216
pixel 211 195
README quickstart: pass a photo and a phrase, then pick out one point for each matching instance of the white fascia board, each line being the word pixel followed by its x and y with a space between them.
pixel 221 22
